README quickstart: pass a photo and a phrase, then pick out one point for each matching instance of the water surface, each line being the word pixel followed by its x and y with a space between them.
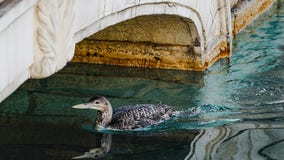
pixel 37 121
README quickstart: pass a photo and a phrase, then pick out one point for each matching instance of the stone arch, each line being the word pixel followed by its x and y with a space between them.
pixel 158 29
pixel 146 9
pixel 104 30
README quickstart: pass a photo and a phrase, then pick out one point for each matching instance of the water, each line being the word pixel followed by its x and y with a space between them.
pixel 245 92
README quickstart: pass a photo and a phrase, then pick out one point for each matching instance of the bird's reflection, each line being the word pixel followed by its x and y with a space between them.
pixel 98 152
pixel 208 143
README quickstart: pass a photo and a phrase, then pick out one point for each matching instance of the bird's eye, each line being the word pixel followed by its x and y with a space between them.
pixel 97 102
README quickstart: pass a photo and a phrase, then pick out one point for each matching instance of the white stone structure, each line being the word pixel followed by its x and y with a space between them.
pixel 38 37
pixel 16 44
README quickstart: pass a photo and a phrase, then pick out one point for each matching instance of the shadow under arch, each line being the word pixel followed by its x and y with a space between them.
pixel 167 8
pixel 157 9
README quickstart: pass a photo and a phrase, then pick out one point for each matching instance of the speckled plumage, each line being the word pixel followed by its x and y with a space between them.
pixel 139 116
pixel 127 117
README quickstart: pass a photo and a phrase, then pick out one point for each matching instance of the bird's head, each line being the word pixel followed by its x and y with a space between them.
pixel 99 103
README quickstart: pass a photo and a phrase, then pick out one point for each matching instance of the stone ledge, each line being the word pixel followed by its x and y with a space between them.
pixel 143 54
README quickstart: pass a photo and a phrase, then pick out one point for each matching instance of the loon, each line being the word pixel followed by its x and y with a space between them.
pixel 126 117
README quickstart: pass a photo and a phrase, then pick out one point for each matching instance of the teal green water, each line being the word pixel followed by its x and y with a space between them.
pixel 37 121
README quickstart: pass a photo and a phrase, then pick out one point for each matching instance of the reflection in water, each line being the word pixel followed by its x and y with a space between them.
pixel 37 121
pixel 146 146
pixel 99 152
pixel 239 141
pixel 232 141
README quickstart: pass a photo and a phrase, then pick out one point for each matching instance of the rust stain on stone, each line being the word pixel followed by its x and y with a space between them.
pixel 224 51
pixel 246 13
pixel 144 54
pixel 125 45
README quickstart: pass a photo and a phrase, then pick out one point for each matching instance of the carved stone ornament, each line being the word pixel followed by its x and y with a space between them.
pixel 54 45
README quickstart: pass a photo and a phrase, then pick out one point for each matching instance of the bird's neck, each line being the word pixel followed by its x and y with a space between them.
pixel 104 118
